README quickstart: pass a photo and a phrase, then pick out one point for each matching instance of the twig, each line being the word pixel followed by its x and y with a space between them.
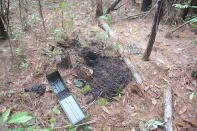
pixel 168 110
pixel 120 6
pixel 67 126
pixel 169 33
pixel 113 5
pixel 135 15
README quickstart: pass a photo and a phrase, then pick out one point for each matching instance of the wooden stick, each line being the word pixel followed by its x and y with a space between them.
pixel 142 13
pixel 169 33
pixel 168 110
pixel 67 126
pixel 129 63
pixel 112 7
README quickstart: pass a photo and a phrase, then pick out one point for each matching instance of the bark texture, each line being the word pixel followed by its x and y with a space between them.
pixel 153 34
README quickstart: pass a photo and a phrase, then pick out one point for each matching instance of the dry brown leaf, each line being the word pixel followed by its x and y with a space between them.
pixel 134 114
pixel 183 110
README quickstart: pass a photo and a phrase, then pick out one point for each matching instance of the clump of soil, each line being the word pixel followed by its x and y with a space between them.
pixel 106 75
pixel 110 74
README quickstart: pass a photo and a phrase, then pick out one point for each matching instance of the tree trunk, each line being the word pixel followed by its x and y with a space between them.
pixel 111 8
pixel 99 8
pixel 173 14
pixel 3 33
pixel 153 34
pixel 41 15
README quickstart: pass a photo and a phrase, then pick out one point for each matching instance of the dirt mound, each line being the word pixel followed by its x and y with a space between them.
pixel 110 74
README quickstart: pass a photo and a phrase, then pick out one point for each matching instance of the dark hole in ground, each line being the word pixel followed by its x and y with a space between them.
pixel 110 74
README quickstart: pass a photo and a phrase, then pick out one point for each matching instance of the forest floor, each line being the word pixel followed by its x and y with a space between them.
pixel 172 62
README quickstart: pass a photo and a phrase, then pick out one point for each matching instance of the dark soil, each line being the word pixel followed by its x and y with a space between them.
pixel 110 75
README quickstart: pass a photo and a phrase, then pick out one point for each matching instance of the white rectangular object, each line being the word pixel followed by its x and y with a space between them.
pixel 72 109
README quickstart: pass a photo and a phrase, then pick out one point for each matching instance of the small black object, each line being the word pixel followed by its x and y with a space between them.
pixel 39 89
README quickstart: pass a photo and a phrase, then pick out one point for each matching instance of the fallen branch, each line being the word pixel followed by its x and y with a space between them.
pixel 129 63
pixel 135 15
pixel 112 7
pixel 67 126
pixel 168 110
pixel 169 33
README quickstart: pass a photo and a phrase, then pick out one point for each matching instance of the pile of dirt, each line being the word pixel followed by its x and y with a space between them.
pixel 110 74
pixel 106 75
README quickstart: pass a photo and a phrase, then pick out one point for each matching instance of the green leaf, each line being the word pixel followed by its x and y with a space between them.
pixel 25 65
pixel 154 123
pixel 119 96
pixel 88 117
pixel 181 6
pixel 73 128
pixel 57 112
pixel 87 128
pixel 21 117
pixel 57 10
pixel 86 88
pixel 191 96
pixel 17 129
pixel 63 5
pixel 52 119
pixel 106 101
pixel 117 46
pixel 157 123
pixel 5 115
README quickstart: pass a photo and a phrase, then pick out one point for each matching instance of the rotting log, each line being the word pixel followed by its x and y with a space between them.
pixel 112 7
pixel 168 110
pixel 116 40
pixel 154 29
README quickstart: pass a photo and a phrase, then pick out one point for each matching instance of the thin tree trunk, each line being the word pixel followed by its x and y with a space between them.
pixel 8 30
pixel 41 15
pixel 112 7
pixel 99 8
pixel 153 34
pixel 20 13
